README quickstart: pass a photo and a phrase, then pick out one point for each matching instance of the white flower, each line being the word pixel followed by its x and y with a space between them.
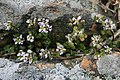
pixel 108 49
pixel 42 50
pixel 44 53
pixel 23 55
pixel 46 20
pixel 46 56
pixel 69 37
pixel 29 51
pixel 109 25
pixel 50 28
pixel 28 21
pixel 79 17
pixel 60 49
pixel 106 21
pixel 99 17
pixel 44 26
pixel 73 18
pixel 96 40
pixel 18 40
pixel 41 24
pixel 30 38
pixel 8 26
pixel 76 20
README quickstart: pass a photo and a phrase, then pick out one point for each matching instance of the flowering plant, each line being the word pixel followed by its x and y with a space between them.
pixel 34 42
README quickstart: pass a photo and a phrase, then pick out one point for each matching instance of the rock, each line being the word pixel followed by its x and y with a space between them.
pixel 7 69
pixel 6 14
pixel 89 64
pixel 27 73
pixel 45 65
pixel 22 6
pixel 60 72
pixel 14 9
pixel 19 71
pixel 109 65
pixel 12 71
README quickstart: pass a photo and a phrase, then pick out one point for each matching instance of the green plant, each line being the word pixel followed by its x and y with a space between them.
pixel 34 42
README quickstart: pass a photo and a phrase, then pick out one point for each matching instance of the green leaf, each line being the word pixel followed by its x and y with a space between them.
pixel 16 34
pixel 102 32
pixel 39 35
pixel 9 49
pixel 71 45
pixel 75 29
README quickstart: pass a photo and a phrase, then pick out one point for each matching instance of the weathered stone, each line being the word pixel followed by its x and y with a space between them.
pixel 7 68
pixel 109 65
pixel 14 9
pixel 6 14
pixel 27 73
pixel 22 6
pixel 19 71
pixel 14 71
pixel 89 64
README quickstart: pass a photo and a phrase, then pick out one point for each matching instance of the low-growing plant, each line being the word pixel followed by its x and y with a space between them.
pixel 34 42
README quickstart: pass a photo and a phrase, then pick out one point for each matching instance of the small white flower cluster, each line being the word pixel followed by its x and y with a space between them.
pixel 75 35
pixel 44 25
pixel 30 22
pixel 76 20
pixel 19 40
pixel 25 56
pixel 30 38
pixel 60 49
pixel 44 53
pixel 69 37
pixel 96 41
pixel 8 26
pixel 97 17
pixel 108 49
pixel 109 25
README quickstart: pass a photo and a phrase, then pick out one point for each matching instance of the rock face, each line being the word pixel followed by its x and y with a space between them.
pixel 109 65
pixel 7 69
pixel 17 71
pixel 14 9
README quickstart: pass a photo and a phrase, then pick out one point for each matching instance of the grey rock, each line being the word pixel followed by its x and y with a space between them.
pixel 109 65
pixel 6 14
pixel 13 10
pixel 60 72
pixel 7 68
pixel 22 6
pixel 14 71
pixel 27 73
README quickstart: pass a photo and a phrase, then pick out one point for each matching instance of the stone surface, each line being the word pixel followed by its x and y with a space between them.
pixel 15 9
pixel 7 69
pixel 109 65
pixel 22 6
pixel 10 70
pixel 19 71
pixel 89 63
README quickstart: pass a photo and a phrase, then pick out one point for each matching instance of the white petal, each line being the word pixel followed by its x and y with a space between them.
pixel 28 21
pixel 42 50
pixel 79 17
pixel 46 55
pixel 29 51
